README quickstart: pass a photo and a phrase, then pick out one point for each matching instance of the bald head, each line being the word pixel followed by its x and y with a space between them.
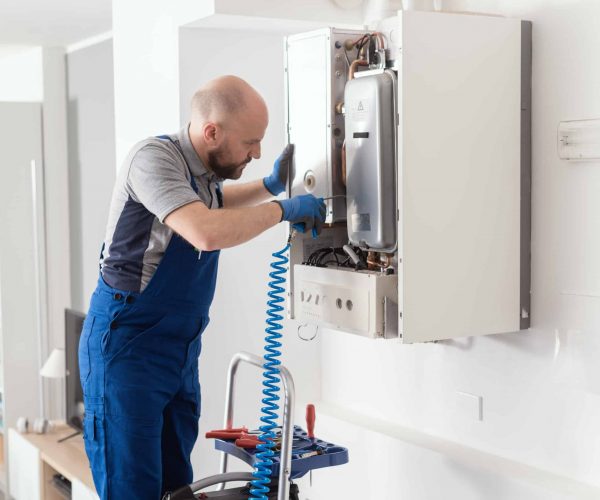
pixel 224 99
pixel 228 122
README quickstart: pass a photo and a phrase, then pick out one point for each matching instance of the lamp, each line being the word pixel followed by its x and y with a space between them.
pixel 54 367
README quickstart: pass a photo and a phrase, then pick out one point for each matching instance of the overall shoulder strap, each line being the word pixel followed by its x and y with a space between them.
pixel 178 146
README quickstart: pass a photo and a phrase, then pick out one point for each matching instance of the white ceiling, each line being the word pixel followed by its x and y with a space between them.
pixel 52 22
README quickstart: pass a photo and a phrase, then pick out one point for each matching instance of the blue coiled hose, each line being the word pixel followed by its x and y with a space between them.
pixel 263 467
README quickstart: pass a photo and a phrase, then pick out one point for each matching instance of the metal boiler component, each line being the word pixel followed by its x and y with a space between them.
pixel 316 67
pixel 436 168
pixel 371 128
pixel 310 181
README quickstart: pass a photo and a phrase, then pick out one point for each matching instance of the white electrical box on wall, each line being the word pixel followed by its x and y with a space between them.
pixel 430 236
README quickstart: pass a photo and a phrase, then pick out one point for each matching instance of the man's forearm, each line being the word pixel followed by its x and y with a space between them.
pixel 234 226
pixel 223 228
pixel 245 195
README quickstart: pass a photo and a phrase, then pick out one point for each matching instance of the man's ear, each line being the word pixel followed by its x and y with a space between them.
pixel 212 134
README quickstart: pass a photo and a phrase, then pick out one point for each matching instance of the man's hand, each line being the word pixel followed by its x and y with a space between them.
pixel 305 212
pixel 277 181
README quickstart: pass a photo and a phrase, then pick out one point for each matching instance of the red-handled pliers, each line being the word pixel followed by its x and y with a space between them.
pixel 250 442
pixel 243 437
pixel 229 433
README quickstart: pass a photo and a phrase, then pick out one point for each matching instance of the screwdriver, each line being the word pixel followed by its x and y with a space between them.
pixel 310 421
pixel 310 428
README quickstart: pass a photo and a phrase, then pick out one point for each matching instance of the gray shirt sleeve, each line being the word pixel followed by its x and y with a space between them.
pixel 157 179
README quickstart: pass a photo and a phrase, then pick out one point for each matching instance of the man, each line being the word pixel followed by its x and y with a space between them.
pixel 140 344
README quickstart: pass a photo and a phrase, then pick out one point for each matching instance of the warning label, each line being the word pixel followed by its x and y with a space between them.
pixel 359 109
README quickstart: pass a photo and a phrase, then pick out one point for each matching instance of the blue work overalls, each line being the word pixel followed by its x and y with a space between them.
pixel 138 359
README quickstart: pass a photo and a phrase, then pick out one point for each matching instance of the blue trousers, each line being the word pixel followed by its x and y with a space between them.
pixel 139 373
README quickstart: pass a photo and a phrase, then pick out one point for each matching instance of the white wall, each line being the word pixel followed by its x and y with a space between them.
pixel 146 44
pixel 38 74
pixel 21 74
pixel 540 388
pixel 21 228
pixel 91 161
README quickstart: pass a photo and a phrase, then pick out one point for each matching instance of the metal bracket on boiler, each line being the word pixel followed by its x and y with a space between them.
pixel 390 319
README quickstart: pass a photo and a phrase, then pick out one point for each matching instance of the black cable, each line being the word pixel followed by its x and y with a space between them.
pixel 314 257
pixel 362 42
pixel 371 50
pixel 359 45
pixel 319 256
pixel 327 252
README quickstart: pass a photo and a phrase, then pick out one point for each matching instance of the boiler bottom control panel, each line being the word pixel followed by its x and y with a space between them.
pixel 364 303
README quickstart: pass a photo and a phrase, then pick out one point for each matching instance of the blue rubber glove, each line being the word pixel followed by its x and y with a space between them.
pixel 277 181
pixel 305 212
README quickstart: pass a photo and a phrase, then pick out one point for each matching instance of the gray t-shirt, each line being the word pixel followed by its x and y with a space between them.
pixel 154 181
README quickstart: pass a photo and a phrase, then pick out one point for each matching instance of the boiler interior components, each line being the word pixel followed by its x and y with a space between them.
pixel 371 130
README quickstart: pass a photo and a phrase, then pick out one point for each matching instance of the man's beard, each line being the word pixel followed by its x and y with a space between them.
pixel 224 169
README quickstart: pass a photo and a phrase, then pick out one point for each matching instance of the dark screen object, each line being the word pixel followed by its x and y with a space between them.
pixel 62 484
pixel 74 392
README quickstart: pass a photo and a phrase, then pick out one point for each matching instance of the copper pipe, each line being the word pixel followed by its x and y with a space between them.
pixel 355 64
pixel 379 261
pixel 373 261
pixel 387 259
pixel 380 38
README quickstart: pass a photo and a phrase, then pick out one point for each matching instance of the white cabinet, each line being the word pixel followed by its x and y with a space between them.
pixel 25 468
pixel 81 492
pixel 35 461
